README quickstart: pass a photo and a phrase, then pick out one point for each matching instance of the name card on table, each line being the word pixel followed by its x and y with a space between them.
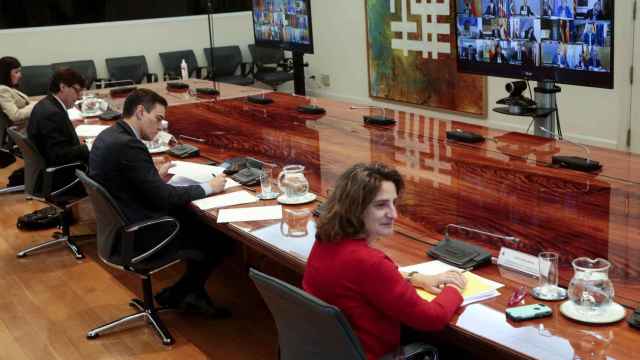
pixel 224 200
pixel 250 214
pixel 519 261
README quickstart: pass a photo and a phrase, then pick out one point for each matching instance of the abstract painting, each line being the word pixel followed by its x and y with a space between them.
pixel 412 57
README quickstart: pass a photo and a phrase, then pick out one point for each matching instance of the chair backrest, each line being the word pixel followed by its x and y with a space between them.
pixel 109 219
pixel 86 68
pixel 4 124
pixel 225 58
pixel 34 162
pixel 308 328
pixel 133 68
pixel 36 79
pixel 171 61
pixel 265 56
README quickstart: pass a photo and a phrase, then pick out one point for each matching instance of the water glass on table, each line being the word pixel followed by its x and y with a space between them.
pixel 548 288
pixel 266 184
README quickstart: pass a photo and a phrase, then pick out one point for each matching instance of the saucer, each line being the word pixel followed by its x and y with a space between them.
pixel 308 197
pixel 538 293
pixel 615 312
pixel 268 196
pixel 94 113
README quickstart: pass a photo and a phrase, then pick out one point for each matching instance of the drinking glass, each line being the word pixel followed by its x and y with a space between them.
pixel 548 288
pixel 294 222
pixel 266 184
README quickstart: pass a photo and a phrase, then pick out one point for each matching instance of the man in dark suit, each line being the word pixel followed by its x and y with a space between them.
pixel 525 9
pixel 491 9
pixel 50 129
pixel 121 162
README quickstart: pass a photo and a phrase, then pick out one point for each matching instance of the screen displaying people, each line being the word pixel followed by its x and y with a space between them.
pixel 282 20
pixel 568 34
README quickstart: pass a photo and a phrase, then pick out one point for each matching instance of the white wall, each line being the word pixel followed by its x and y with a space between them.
pixel 145 37
pixel 589 115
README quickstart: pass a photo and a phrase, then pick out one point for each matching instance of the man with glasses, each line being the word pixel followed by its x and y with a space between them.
pixel 50 128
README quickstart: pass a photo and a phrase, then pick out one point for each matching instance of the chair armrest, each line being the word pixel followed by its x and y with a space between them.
pixel 98 82
pixel 199 70
pixel 286 64
pixel 150 223
pixel 170 76
pixel 152 77
pixel 49 174
pixel 413 351
pixel 246 68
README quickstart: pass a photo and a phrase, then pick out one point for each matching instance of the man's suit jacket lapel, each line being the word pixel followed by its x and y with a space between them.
pixel 68 125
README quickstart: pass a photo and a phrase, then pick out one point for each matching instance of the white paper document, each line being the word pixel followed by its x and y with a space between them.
pixel 74 114
pixel 478 288
pixel 90 130
pixel 224 200
pixel 188 173
pixel 250 214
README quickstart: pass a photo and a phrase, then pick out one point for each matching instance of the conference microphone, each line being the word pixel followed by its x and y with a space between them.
pixel 573 162
pixel 375 119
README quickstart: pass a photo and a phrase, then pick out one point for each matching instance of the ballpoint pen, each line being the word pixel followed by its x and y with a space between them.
pixel 192 138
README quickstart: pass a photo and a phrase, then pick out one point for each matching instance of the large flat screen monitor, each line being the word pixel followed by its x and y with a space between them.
pixel 566 41
pixel 284 24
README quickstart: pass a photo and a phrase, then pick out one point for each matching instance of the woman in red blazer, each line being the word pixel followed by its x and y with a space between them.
pixel 344 270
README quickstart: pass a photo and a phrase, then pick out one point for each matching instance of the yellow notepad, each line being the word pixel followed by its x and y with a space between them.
pixel 478 288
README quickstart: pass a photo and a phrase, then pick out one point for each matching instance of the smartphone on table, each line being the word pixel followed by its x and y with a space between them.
pixel 527 312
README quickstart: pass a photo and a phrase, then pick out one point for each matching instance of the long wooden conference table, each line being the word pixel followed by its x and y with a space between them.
pixel 504 185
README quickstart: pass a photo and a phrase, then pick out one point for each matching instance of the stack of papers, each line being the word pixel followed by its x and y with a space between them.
pixel 90 130
pixel 224 200
pixel 75 114
pixel 188 173
pixel 478 288
pixel 250 214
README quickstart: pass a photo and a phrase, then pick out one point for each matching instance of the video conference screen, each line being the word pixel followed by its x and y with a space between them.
pixel 538 39
pixel 283 23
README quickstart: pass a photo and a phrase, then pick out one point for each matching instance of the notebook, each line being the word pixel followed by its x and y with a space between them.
pixel 478 288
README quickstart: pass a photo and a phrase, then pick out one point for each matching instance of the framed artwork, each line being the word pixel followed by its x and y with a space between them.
pixel 411 54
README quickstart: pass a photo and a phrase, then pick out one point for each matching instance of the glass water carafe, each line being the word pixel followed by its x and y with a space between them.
pixel 590 289
pixel 292 182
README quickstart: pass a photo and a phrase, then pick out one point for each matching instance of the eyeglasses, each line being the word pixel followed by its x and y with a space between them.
pixel 77 89
pixel 517 296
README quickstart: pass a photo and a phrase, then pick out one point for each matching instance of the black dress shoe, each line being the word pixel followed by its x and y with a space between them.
pixel 169 298
pixel 199 302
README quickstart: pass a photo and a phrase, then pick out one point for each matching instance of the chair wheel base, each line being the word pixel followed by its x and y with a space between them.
pixel 168 342
pixel 21 255
pixel 91 336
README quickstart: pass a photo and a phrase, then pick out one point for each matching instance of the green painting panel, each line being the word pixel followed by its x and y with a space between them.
pixel 398 67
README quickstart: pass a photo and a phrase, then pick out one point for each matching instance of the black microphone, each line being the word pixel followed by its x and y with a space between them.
pixel 573 162
pixel 375 119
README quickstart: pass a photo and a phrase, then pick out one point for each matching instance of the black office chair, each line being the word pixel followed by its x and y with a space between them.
pixel 38 183
pixel 5 123
pixel 172 60
pixel 227 60
pixel 7 156
pixel 133 68
pixel 310 329
pixel 35 79
pixel 270 66
pixel 86 68
pixel 116 238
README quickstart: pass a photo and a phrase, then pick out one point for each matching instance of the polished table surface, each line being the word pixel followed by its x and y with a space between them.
pixel 504 185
